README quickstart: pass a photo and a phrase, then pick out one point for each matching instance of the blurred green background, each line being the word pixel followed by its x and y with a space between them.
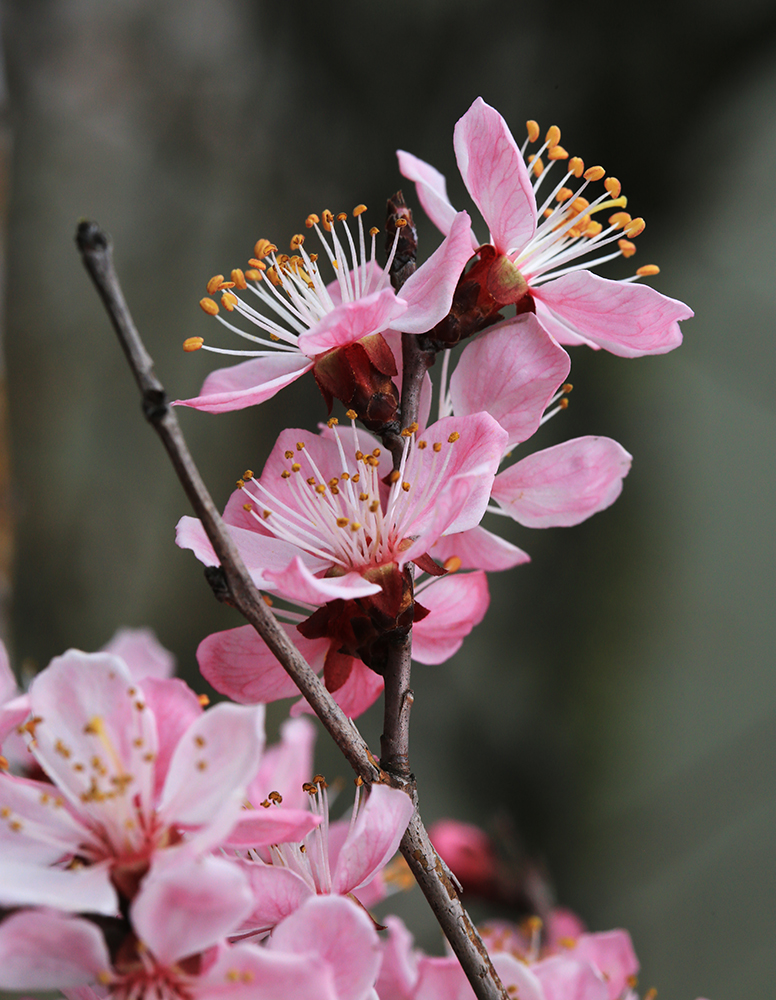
pixel 618 704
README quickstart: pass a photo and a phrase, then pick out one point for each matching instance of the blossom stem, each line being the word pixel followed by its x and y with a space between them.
pixel 232 583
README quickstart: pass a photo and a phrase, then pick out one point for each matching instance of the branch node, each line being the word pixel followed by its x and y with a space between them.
pixel 216 577
pixel 154 404
pixel 89 236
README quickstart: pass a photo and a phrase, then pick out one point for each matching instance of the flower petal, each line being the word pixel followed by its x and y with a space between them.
pixel 351 321
pixel 432 191
pixel 248 383
pixel 563 485
pixel 297 583
pixel 239 664
pixel 142 652
pixel 262 827
pixel 455 603
pixel 625 318
pixel 45 950
pixel 429 291
pixel 81 890
pixel 512 372
pixel 359 692
pixel 479 549
pixel 496 176
pixel 373 838
pixel 277 893
pixel 563 978
pixel 286 765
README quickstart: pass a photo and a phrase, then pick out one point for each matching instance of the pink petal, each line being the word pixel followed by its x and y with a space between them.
pixel 183 909
pixel 353 320
pixel 12 714
pixel 262 827
pixel 82 890
pixel 248 383
pixel 142 652
pixel 277 893
pixel 429 291
pixel 512 372
pixel 247 972
pixel 456 603
pixel 625 318
pixel 517 978
pixel 455 498
pixel 563 485
pixel 239 664
pixel 47 831
pixel 399 969
pixel 359 692
pixel 432 191
pixel 496 176
pixel 212 765
pixel 8 687
pixel 479 549
pixel 611 952
pixel 297 583
pixel 337 934
pixel 175 702
pixel 45 950
pixel 564 978
pixel 373 839
pixel 442 979
pixel 286 765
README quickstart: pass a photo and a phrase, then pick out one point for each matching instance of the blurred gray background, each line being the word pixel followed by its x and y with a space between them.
pixel 618 705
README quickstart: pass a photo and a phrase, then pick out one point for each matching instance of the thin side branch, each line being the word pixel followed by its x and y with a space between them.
pixel 235 585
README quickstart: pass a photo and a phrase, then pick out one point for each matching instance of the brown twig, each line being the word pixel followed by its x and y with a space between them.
pixel 234 584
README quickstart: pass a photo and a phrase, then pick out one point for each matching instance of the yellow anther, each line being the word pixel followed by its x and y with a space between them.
pixel 296 241
pixel 533 130
pixel 4 765
pixel 376 452
pixel 300 445
pixel 320 489
pixel 374 506
pixel 453 437
pixel 635 228
pixel 288 455
pixel 248 474
pixel 343 522
pixel 285 474
pixel 356 477
pixel 359 210
pixel 453 564
pixel 437 446
pixel 253 275
pixel 422 444
pixel 311 220
pixel 564 194
pixel 363 497
pixel 259 264
pixel 229 301
pixel 620 219
pixel 267 600
pixel 328 220
pixel 627 249
pixel 536 165
pixel 566 387
pixel 648 270
pixel 263 248
pixel 310 480
pixel 374 231
pixel 248 506
pixel 355 526
pixel 332 422
pixel 214 284
pixel 592 229
pixel 333 481
pixel 296 467
pixel 239 484
pixel 194 343
pixel 576 166
pixel 341 216
pixel 563 404
pixel 275 797
pixel 274 277
pixel 401 223
pixel 594 173
pixel 613 186
pixel 345 475
pixel 209 306
pixel 394 477
pixel 351 414
pixel 238 279
pixel 557 153
pixel 406 487
pixel 553 136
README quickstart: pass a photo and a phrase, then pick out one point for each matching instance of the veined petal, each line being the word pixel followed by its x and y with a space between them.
pixel 351 321
pixel 479 549
pixel 173 701
pixel 183 909
pixel 496 176
pixel 432 191
pixel 213 763
pixel 297 583
pixel 624 318
pixel 248 383
pixel 429 291
pixel 277 892
pixel 512 373
pixel 373 839
pixel 359 692
pixel 456 603
pixel 239 664
pixel 563 485
pixel 262 827
pixel 37 826
pixel 46 950
pixel 247 972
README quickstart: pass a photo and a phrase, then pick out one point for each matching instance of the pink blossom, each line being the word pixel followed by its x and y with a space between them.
pixel 470 854
pixel 134 772
pixel 335 858
pixel 178 949
pixel 142 652
pixel 539 242
pixel 320 528
pixel 300 318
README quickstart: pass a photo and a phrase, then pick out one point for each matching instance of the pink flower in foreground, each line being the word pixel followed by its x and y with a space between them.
pixel 539 239
pixel 180 922
pixel 334 859
pixel 298 317
pixel 321 529
pixel 135 772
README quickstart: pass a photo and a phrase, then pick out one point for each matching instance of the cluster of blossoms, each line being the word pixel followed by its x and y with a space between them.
pixel 153 846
